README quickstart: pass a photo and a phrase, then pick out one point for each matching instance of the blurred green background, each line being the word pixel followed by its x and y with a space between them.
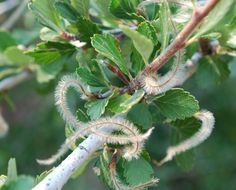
pixel 37 130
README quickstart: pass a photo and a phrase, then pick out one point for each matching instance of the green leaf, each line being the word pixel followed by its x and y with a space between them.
pixel 212 71
pixel 96 108
pixel 114 103
pixel 6 40
pixel 101 8
pixel 206 75
pixel 87 77
pixel 157 117
pixel 82 6
pixel 108 46
pixel 16 56
pixel 98 69
pixel 137 61
pixel 184 129
pixel 41 176
pixel 185 160
pixel 134 99
pixel 137 171
pixel 69 131
pixel 20 183
pixel 82 116
pixel 46 34
pixel 11 170
pixel 177 104
pixel 124 9
pixel 46 73
pixel 86 29
pixel 143 45
pixel 152 10
pixel 66 11
pixel 51 57
pixel 223 13
pixel 164 24
pixel 222 69
pixel 148 30
pixel 44 11
pixel 140 115
pixel 103 166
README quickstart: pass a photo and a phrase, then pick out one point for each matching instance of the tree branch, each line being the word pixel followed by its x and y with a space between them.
pixel 180 41
pixel 118 73
pixel 12 81
pixel 7 6
pixel 7 25
pixel 60 175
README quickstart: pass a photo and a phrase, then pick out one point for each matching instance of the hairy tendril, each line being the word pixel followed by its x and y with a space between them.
pixel 154 84
pixel 201 135
pixel 179 73
pixel 102 128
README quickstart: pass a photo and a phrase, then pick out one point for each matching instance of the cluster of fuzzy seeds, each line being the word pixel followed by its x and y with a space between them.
pixel 102 128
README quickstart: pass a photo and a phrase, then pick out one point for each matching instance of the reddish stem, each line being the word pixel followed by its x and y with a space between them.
pixel 67 36
pixel 180 41
pixel 118 72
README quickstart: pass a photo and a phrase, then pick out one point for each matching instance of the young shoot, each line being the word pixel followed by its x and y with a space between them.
pixel 204 132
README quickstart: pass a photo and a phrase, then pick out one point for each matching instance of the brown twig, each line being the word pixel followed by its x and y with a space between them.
pixel 112 164
pixel 208 47
pixel 118 72
pixel 180 41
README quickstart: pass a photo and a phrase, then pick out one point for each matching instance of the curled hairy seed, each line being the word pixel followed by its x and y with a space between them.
pixel 102 128
pixel 203 133
pixel 130 134
pixel 67 82
pixel 178 74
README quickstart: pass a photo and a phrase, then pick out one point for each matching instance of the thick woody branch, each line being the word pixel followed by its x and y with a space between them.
pixel 7 6
pixel 61 174
pixel 180 41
